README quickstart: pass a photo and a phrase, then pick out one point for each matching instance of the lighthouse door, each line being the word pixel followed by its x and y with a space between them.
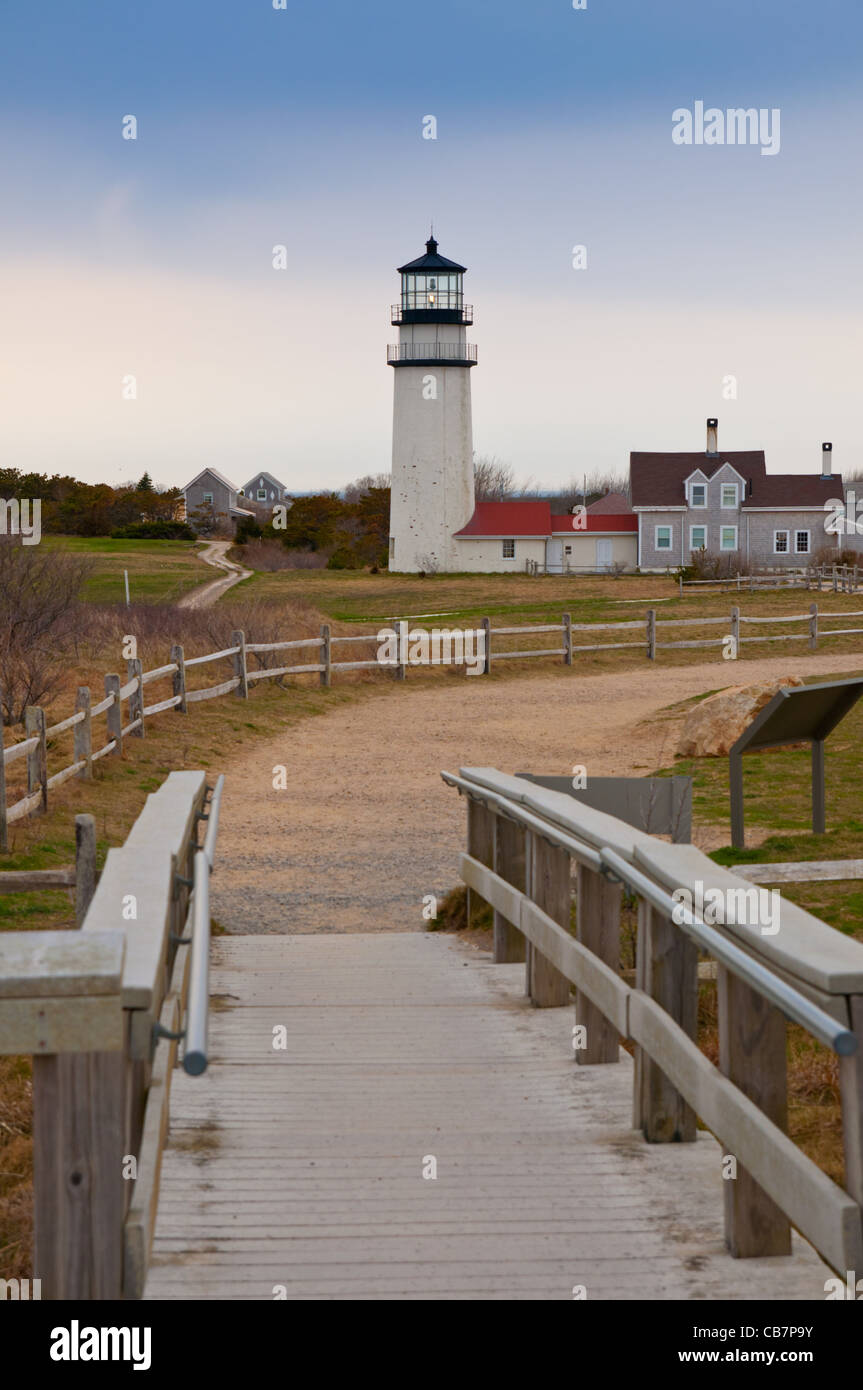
pixel 554 557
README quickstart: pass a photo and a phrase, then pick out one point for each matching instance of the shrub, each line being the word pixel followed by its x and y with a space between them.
pixel 39 602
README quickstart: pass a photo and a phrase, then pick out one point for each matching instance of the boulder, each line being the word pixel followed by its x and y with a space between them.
pixel 714 725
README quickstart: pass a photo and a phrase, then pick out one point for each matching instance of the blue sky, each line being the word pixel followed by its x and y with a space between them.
pixel 303 127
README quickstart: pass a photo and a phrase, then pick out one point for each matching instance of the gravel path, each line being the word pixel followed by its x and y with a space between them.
pixel 366 827
pixel 214 553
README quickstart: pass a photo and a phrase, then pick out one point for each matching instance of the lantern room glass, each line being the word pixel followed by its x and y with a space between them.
pixel 430 289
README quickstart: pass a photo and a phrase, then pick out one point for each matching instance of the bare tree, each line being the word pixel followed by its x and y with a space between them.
pixel 362 486
pixel 493 480
pixel 39 598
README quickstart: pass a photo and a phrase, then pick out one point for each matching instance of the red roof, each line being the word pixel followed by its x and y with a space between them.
pixel 612 504
pixel 603 522
pixel 509 519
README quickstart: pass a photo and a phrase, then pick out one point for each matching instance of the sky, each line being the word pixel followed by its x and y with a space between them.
pixel 303 126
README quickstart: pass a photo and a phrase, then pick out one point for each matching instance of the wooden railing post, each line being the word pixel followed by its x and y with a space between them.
pixel 79 1195
pixel 651 634
pixel 851 1090
pixel 238 639
pixel 4 832
pixel 667 970
pixel 813 627
pixel 326 655
pixel 85 865
pixel 752 1055
pixel 37 758
pixel 550 888
pixel 509 864
pixel 735 629
pixel 114 714
pixel 597 905
pixel 179 677
pixel 135 668
pixel 567 639
pixel 480 846
pixel 82 734
pixel 485 624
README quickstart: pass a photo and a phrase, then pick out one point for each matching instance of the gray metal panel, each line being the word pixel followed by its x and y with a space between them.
pixel 799 714
pixel 656 805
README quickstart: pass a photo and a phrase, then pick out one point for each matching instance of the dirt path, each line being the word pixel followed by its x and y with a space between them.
pixel 366 827
pixel 215 554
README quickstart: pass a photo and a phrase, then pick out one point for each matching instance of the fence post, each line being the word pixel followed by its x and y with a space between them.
pixel 179 679
pixel 480 845
pixel 37 758
pixel 667 970
pixel 835 582
pixel 135 668
pixel 567 639
pixel 82 734
pixel 851 1090
pixel 813 627
pixel 79 1195
pixel 114 714
pixel 597 904
pixel 680 582
pixel 752 1056
pixel 735 629
pixel 509 864
pixel 651 634
pixel 238 639
pixel 401 640
pixel 550 889
pixel 326 655
pixel 85 865
pixel 4 833
pixel 485 624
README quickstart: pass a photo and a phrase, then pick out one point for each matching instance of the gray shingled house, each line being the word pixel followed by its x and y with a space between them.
pixel 265 490
pixel 728 505
pixel 211 492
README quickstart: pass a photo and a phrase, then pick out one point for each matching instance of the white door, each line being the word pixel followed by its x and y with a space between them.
pixel 603 555
pixel 554 557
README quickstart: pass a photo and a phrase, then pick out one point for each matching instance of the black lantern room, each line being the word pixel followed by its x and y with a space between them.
pixel 432 290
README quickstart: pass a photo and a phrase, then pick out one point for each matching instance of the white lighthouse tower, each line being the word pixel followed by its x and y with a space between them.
pixel 432 479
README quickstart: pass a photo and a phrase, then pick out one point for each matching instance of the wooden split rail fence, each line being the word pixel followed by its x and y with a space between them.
pixel 842 579
pixel 641 633
pixel 522 841
pixel 101 1011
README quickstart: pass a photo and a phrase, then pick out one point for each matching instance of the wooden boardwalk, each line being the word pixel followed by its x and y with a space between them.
pixel 301 1169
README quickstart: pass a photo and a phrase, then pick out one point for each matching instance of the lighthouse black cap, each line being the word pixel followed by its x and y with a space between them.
pixel 431 261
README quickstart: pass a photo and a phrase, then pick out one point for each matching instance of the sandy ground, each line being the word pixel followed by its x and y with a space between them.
pixel 366 828
pixel 214 553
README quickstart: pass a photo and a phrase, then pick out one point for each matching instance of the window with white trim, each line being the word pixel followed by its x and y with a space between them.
pixel 509 550
pixel 208 499
pixel 780 542
pixel 801 542
pixel 662 537
pixel 728 538
pixel 698 538
pixel 698 494
pixel 262 494
pixel 728 496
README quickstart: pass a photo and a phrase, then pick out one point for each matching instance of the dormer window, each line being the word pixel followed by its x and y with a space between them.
pixel 698 494
pixel 729 496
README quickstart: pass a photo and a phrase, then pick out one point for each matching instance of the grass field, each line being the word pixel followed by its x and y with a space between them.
pixel 159 571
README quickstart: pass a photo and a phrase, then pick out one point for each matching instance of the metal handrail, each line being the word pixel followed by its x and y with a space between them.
pixel 197 1007
pixel 456 352
pixel 794 1005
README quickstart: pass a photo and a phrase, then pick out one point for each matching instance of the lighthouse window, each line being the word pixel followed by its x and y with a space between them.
pixel 509 550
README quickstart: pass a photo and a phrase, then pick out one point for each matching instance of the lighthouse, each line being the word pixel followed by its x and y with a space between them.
pixel 432 470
